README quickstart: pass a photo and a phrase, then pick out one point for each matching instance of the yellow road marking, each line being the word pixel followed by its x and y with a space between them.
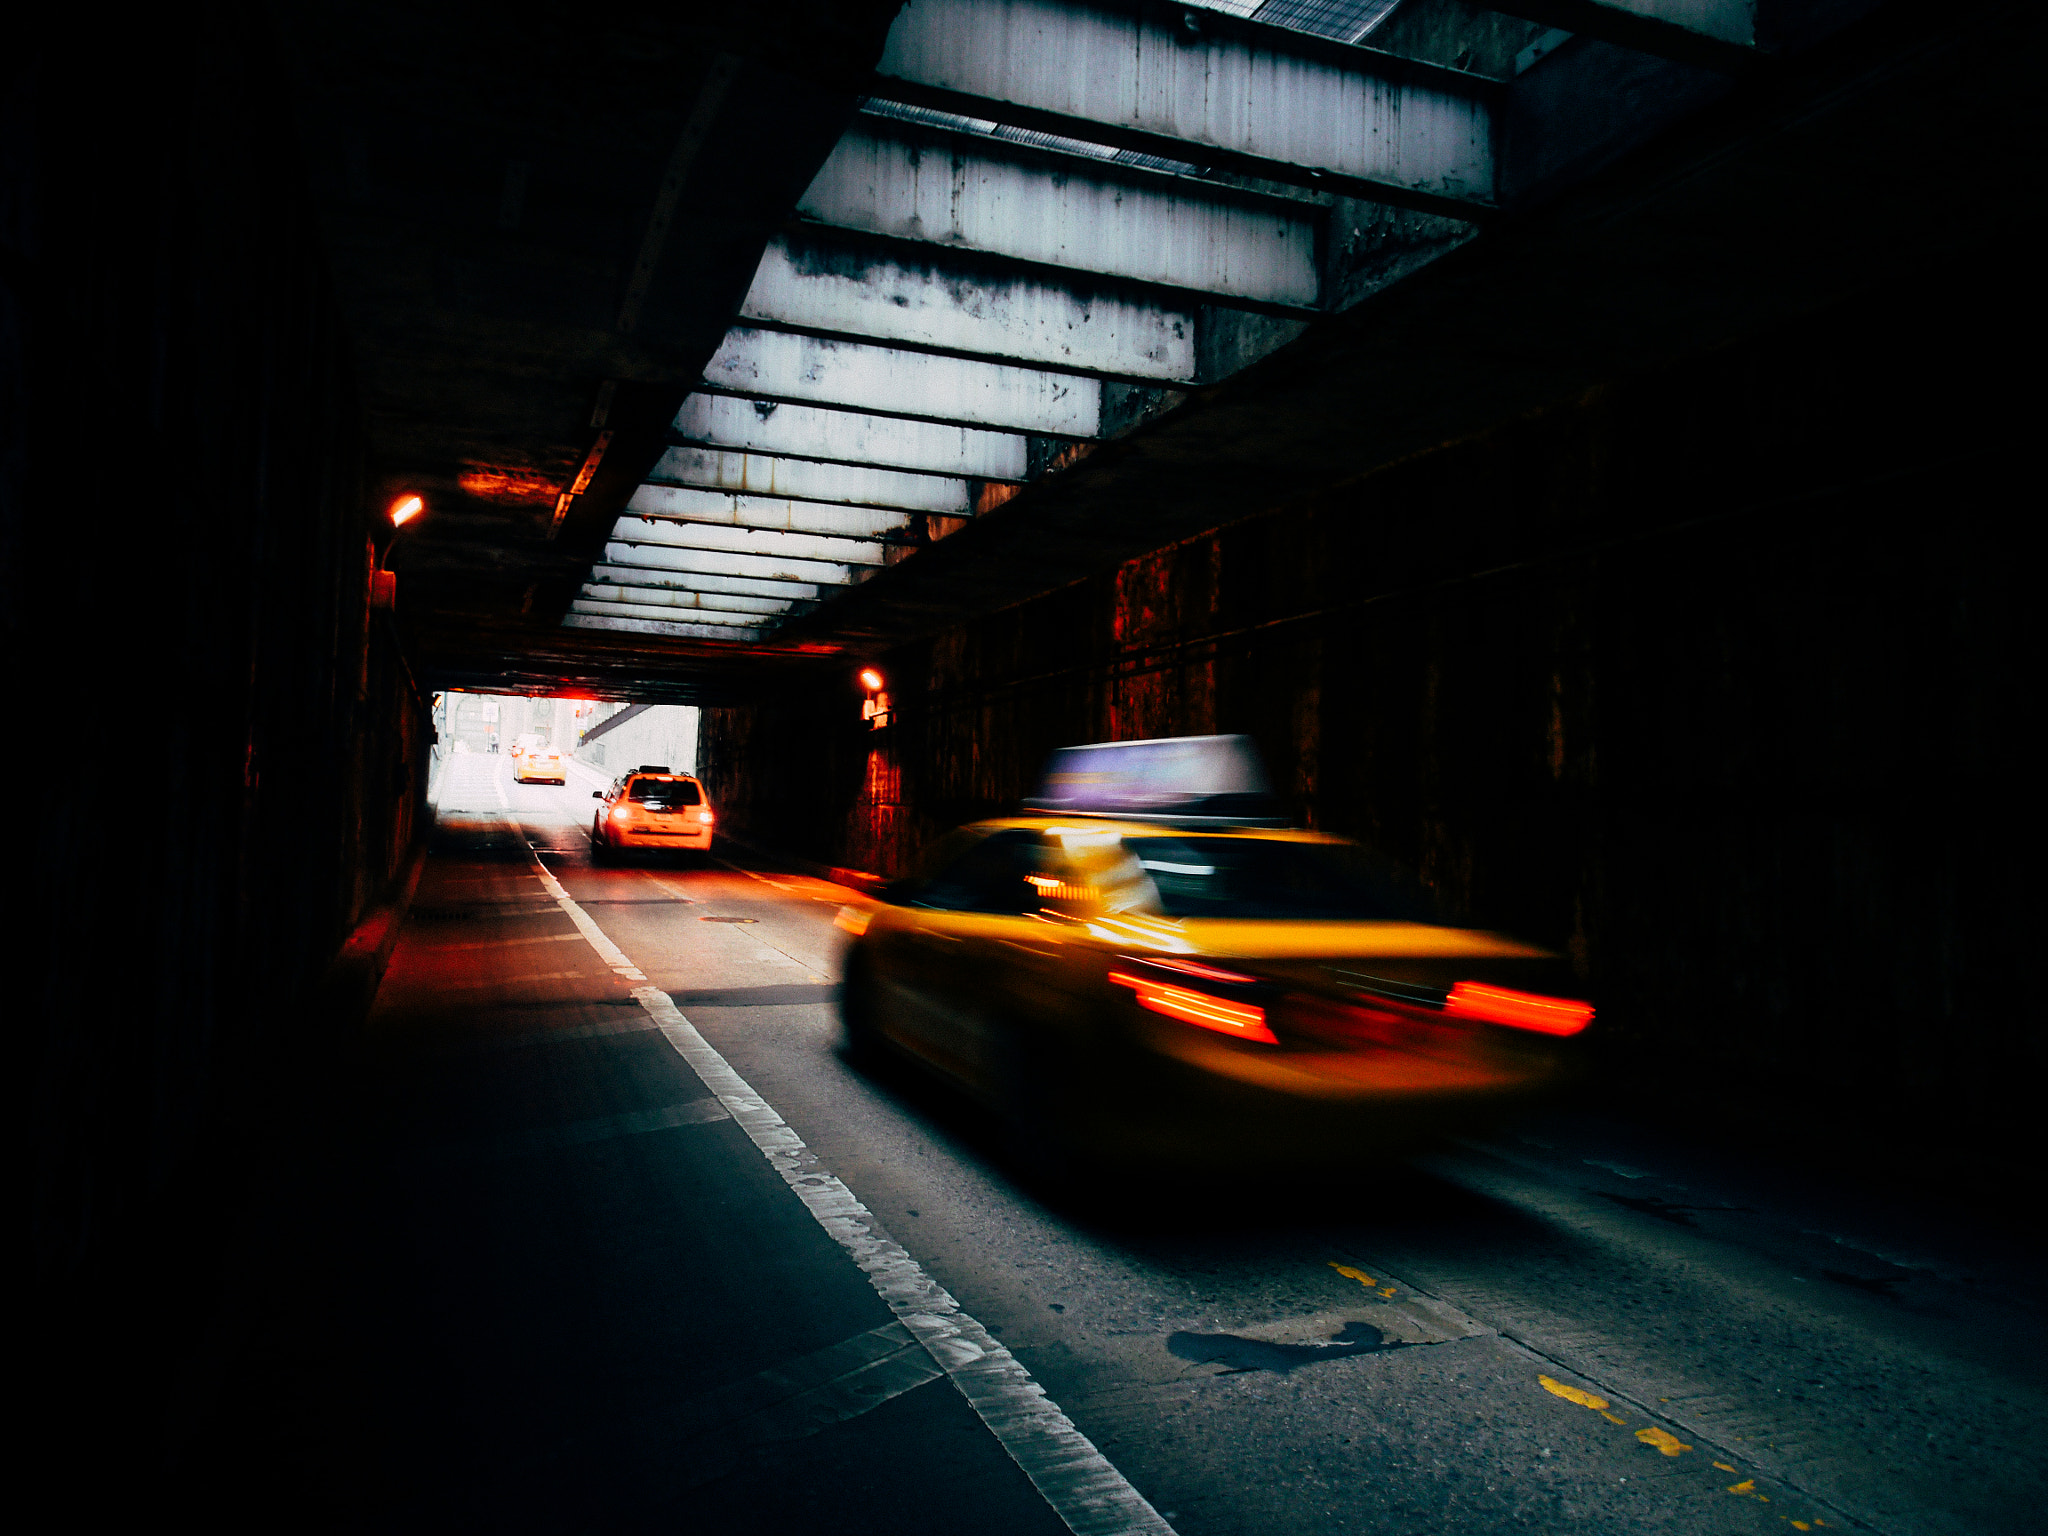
pixel 1612 1418
pixel 1574 1395
pixel 1359 1275
pixel 1664 1440
pixel 1724 1466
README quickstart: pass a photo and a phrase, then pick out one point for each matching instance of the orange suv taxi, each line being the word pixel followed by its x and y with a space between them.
pixel 651 808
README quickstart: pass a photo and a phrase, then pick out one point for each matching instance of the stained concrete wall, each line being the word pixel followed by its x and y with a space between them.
pixel 1717 680
pixel 664 733
pixel 185 506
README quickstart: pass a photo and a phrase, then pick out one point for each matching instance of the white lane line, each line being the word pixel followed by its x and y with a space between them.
pixel 755 875
pixel 498 783
pixel 607 951
pixel 1075 1478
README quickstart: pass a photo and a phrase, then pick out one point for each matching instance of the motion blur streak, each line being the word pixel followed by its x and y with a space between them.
pixel 1241 1020
pixel 1523 1010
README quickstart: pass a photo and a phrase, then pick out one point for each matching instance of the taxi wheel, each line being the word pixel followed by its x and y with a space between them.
pixel 1039 1133
pixel 857 1008
pixel 600 850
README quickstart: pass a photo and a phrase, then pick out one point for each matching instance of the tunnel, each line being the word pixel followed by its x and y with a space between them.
pixel 608 517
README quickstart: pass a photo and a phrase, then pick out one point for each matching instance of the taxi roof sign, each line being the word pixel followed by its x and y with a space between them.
pixel 1186 780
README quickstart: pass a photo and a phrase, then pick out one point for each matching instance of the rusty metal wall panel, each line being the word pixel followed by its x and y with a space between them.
pixel 1018 318
pixel 935 187
pixel 849 437
pixel 679 505
pixel 1259 93
pixel 847 485
pixel 809 369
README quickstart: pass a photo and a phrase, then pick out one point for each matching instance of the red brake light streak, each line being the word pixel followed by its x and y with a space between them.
pixel 1205 1010
pixel 1519 1010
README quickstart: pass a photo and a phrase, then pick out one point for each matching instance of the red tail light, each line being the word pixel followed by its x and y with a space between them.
pixel 1202 1008
pixel 1518 1010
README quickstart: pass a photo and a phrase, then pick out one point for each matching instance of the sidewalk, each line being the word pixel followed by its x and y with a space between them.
pixel 545 1282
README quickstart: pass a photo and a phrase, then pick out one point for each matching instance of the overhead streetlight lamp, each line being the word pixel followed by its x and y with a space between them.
pixel 874 709
pixel 383 580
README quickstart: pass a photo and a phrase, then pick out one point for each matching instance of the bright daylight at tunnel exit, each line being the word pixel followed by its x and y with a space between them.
pixel 1030 766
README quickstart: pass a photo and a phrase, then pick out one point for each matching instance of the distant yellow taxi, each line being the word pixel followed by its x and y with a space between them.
pixel 535 762
pixel 651 808
pixel 1138 970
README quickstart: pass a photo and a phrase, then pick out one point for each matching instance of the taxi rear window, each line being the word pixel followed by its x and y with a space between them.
pixel 664 792
pixel 1254 877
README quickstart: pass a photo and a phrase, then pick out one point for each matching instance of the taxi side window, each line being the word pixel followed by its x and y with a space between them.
pixel 990 876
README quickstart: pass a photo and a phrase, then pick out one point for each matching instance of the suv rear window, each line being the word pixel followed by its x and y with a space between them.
pixel 659 794
pixel 1268 877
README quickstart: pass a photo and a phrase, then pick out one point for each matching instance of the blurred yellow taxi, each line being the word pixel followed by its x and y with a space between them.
pixel 534 762
pixel 1151 964
pixel 651 808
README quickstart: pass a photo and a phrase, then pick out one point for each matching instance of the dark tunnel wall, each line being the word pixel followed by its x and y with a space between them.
pixel 1715 679
pixel 235 749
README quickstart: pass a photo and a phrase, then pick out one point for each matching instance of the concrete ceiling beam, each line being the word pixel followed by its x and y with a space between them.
pixel 849 437
pixel 1714 34
pixel 665 507
pixel 814 370
pixel 850 485
pixel 699 582
pixel 742 540
pixel 1067 214
pixel 945 303
pixel 619 610
pixel 672 597
pixel 759 566
pixel 689 630
pixel 1208 88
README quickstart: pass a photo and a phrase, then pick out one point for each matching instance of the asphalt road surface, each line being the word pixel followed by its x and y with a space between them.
pixel 590 1296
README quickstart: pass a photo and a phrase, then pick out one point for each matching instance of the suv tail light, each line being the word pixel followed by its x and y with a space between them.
pixel 1197 994
pixel 1517 1010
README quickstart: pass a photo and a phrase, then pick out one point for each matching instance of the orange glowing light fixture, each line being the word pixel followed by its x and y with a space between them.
pixel 870 679
pixel 405 509
pixel 1518 1010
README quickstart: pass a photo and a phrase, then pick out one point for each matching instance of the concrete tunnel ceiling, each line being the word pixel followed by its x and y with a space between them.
pixel 1051 282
